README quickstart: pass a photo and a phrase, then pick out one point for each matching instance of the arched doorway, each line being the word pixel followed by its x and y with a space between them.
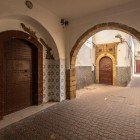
pixel 71 73
pixel 21 71
pixel 20 75
pixel 106 71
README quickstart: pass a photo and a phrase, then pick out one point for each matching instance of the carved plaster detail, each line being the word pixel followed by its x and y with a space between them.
pixel 32 33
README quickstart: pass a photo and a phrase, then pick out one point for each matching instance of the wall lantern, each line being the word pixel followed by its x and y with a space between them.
pixel 120 37
pixel 64 22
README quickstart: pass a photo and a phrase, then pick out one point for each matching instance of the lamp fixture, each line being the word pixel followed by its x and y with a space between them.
pixel 120 37
pixel 64 22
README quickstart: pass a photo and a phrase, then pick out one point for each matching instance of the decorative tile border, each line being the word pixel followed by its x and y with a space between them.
pixel 53 80
pixel 62 80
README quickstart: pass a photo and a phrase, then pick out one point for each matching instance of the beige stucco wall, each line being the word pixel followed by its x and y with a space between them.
pixel 12 12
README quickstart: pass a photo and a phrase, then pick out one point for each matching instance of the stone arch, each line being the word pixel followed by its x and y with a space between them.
pixel 114 66
pixel 4 36
pixel 34 25
pixel 71 78
pixel 53 83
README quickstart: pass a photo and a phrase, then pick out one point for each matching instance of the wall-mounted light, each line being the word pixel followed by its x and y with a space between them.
pixel 120 37
pixel 122 40
pixel 64 22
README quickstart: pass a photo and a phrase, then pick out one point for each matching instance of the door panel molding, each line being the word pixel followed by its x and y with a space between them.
pixel 17 94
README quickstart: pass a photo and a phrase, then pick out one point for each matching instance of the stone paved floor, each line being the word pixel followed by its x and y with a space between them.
pixel 100 112
pixel 135 82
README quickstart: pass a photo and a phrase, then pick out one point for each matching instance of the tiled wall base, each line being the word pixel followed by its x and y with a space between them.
pixel 84 76
pixel 123 76
pixel 62 80
pixel 54 80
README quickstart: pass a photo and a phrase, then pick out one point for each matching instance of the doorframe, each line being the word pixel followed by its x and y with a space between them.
pixel 136 67
pixel 6 35
pixel 114 62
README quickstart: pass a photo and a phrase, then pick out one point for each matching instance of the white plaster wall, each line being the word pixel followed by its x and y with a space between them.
pixel 126 14
pixel 122 56
pixel 85 56
pixel 107 36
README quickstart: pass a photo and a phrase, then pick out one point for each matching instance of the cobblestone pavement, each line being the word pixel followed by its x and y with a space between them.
pixel 99 113
pixel 135 82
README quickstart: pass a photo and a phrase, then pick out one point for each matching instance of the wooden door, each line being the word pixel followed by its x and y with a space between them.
pixel 106 71
pixel 18 75
pixel 137 66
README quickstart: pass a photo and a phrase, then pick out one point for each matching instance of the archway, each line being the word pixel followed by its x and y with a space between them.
pixel 71 78
pixel 53 89
pixel 113 67
pixel 12 34
pixel 106 71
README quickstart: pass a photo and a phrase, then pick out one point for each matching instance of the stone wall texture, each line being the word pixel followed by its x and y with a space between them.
pixel 84 76
pixel 123 76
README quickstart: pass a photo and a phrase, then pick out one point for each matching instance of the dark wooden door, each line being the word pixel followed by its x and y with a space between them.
pixel 18 75
pixel 137 66
pixel 106 71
